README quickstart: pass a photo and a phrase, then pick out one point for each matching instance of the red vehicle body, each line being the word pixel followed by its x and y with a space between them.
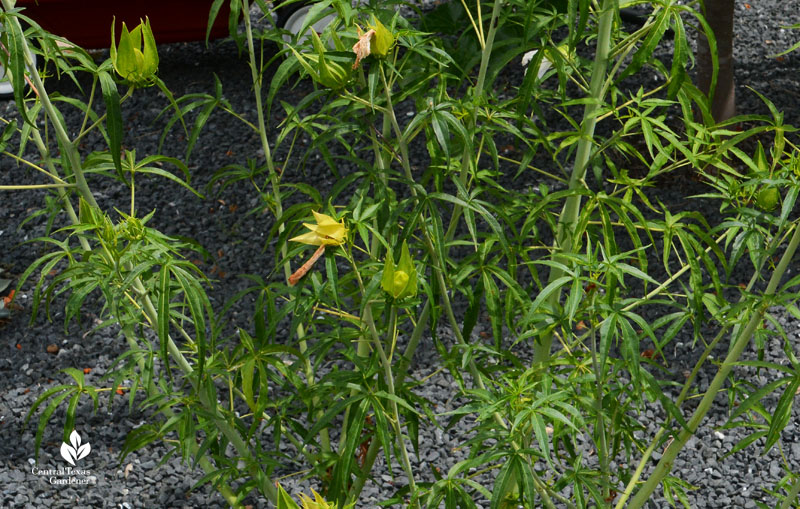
pixel 87 23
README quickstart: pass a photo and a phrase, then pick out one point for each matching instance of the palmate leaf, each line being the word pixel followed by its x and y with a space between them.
pixel 188 103
pixel 199 307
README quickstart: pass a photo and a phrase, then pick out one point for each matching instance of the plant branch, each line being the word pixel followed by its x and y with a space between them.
pixel 568 219
pixel 742 340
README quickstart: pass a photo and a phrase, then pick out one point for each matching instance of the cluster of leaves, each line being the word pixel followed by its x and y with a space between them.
pixel 585 260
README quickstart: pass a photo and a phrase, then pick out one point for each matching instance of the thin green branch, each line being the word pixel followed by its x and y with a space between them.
pixel 569 214
pixel 741 341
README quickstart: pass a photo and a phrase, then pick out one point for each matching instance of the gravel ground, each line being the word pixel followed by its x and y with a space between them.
pixel 235 243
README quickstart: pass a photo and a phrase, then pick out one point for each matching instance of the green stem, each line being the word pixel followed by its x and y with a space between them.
pixel 362 347
pixel 97 122
pixel 387 92
pixel 665 464
pixel 88 107
pixel 62 193
pixel 600 427
pixel 225 490
pixel 399 377
pixel 570 212
pixel 387 373
pixel 274 179
pixel 381 167
pixel 34 186
pixel 53 176
pixel 466 156
pixel 644 461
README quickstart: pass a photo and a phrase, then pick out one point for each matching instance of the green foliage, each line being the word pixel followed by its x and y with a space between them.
pixel 581 259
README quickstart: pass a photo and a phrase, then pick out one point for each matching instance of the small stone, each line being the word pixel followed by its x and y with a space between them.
pixel 719 435
pixel 52 348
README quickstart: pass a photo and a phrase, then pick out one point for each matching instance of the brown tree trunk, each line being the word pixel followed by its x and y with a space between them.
pixel 719 14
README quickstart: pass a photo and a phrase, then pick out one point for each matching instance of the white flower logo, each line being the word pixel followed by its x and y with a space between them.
pixel 76 451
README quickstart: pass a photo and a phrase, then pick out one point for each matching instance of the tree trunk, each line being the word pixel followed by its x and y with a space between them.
pixel 719 14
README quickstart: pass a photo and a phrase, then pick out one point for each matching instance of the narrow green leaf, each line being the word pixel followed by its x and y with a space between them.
pixel 45 418
pixel 782 414
pixel 16 60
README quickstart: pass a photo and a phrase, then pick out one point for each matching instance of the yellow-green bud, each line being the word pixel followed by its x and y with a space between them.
pixel 383 40
pixel 136 58
pixel 400 281
pixel 768 198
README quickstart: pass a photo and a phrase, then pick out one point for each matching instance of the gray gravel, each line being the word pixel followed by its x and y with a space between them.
pixel 28 370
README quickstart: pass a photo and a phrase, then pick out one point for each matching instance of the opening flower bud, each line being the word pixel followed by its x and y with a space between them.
pixel 382 40
pixel 399 281
pixel 136 57
pixel 327 232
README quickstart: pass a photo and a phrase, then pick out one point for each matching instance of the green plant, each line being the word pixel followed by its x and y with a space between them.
pixel 568 273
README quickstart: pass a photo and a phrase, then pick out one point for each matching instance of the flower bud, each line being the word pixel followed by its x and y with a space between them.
pixel 136 58
pixel 323 70
pixel 768 198
pixel 400 281
pixel 382 40
pixel 331 74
